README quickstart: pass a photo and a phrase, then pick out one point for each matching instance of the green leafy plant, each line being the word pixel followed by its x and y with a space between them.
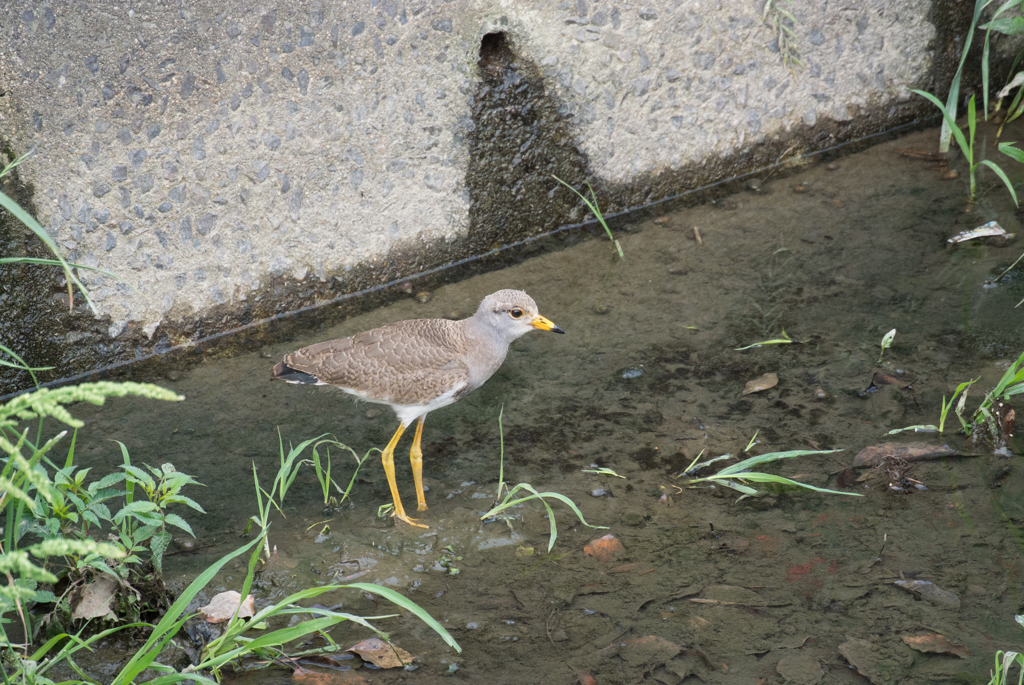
pixel 968 148
pixel 737 475
pixel 596 211
pixel 241 638
pixel 146 519
pixel 49 518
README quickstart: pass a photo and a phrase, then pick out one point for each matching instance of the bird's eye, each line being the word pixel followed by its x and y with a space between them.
pixel 516 313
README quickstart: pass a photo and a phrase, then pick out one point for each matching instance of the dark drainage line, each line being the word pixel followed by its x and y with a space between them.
pixel 450 265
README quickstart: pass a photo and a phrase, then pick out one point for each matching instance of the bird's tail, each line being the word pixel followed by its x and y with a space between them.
pixel 283 372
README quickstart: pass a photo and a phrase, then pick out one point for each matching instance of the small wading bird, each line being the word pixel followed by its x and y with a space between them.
pixel 418 366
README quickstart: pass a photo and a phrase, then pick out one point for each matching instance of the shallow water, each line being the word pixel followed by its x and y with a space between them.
pixel 645 379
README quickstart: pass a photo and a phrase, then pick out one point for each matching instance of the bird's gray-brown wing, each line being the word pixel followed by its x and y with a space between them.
pixel 409 362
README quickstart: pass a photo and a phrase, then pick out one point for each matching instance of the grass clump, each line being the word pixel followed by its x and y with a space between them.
pixel 510 500
pixel 739 474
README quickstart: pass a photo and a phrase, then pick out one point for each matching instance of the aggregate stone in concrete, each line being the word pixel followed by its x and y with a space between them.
pixel 173 116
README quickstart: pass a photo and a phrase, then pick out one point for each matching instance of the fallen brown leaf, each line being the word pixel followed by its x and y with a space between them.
pixel 308 677
pixel 94 599
pixel 936 643
pixel 603 549
pixel 222 607
pixel 381 653
pixel 765 382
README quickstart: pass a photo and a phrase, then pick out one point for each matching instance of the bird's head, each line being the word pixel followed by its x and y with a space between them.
pixel 513 313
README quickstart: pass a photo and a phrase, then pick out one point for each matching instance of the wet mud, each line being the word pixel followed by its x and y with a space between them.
pixel 786 587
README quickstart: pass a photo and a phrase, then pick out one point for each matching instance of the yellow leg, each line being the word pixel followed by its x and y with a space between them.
pixel 416 459
pixel 388 458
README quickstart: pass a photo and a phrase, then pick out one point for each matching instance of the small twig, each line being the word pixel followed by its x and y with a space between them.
pixel 696 235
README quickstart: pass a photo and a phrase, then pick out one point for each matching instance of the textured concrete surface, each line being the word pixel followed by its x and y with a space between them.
pixel 210 153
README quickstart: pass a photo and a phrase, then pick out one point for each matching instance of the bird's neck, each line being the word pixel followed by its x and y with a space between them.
pixel 487 347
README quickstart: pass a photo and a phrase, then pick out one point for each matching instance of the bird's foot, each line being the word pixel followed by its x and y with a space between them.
pixel 412 522
pixel 422 506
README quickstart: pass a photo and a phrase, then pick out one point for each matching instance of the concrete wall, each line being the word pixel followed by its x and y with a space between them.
pixel 205 151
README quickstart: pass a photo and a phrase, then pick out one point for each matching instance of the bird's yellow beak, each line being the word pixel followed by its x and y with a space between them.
pixel 545 325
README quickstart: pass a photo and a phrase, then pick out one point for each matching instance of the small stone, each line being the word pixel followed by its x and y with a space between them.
pixel 602 309
pixel 183 543
pixel 820 394
pixel 802 188
pixel 373 413
pixel 599 492
pixel 832 167
pixel 424 296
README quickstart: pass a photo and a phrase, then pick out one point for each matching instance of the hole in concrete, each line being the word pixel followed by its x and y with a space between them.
pixel 494 51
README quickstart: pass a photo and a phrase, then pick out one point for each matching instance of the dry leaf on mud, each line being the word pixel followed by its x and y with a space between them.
pixel 603 549
pixel 909 451
pixel 765 382
pixel 94 599
pixel 308 677
pixel 222 607
pixel 936 643
pixel 649 650
pixel 585 678
pixel 381 654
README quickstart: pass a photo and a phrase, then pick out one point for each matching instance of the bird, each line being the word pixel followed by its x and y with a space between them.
pixel 417 366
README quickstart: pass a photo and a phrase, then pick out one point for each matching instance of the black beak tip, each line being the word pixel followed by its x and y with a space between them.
pixel 557 329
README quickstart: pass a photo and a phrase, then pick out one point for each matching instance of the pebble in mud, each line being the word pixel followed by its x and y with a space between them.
pixel 185 544
pixel 599 492
pixel 423 296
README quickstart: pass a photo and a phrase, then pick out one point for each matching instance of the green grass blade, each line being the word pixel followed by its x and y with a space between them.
pixel 595 210
pixel 1010 151
pixel 948 120
pixel 1002 176
pixel 758 477
pixel 33 225
pixel 411 607
pixel 765 458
